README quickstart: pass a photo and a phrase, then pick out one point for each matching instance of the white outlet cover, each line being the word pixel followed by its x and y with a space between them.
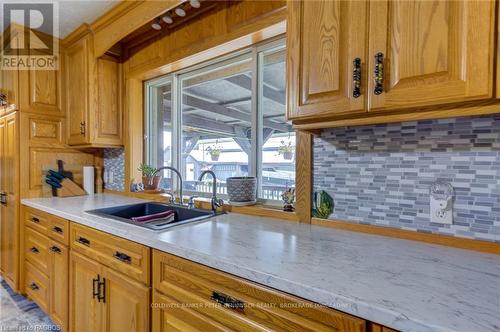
pixel 441 211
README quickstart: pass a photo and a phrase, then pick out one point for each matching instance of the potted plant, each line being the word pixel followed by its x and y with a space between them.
pixel 150 180
pixel 286 150
pixel 214 152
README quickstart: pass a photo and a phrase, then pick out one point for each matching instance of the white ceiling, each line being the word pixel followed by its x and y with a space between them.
pixel 72 13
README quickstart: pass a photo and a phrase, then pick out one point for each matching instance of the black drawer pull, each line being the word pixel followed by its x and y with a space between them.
pixel 123 257
pixel 83 241
pixel 35 220
pixel 57 229
pixel 34 286
pixel 55 249
pixel 227 301
pixel 34 250
pixel 95 286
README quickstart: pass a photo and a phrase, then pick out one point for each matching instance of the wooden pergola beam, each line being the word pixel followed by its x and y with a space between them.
pixel 245 82
pixel 204 105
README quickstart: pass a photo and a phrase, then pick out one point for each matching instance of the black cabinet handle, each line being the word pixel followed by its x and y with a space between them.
pixel 82 128
pixel 379 73
pixel 95 286
pixel 57 229
pixel 55 249
pixel 123 257
pixel 83 241
pixel 34 286
pixel 227 301
pixel 101 288
pixel 34 250
pixel 3 198
pixel 356 78
pixel 35 220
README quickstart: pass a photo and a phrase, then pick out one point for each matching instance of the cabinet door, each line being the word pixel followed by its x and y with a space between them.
pixel 77 92
pixel 434 52
pixel 127 303
pixel 9 87
pixel 171 316
pixel 324 39
pixel 10 225
pixel 59 276
pixel 108 115
pixel 2 189
pixel 85 311
pixel 41 91
pixel 9 82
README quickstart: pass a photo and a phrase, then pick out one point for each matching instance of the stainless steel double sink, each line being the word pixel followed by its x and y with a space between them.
pixel 125 213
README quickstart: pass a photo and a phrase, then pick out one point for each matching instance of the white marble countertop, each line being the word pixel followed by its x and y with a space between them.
pixel 405 285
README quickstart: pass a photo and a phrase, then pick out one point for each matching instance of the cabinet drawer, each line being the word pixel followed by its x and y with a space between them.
pixel 173 316
pixel 37 286
pixel 120 254
pixel 244 305
pixel 36 249
pixel 54 227
pixel 37 220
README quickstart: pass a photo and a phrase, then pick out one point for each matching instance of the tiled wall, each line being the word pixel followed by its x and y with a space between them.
pixel 114 161
pixel 382 174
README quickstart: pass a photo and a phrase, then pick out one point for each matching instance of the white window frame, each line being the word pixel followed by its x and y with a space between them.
pixel 176 78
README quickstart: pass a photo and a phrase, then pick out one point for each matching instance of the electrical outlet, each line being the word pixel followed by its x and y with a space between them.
pixel 110 176
pixel 441 211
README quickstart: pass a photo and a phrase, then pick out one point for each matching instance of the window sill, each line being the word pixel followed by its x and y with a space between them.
pixel 204 203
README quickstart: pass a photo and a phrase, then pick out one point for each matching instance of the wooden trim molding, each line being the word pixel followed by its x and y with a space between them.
pixel 443 240
pixel 204 203
pixel 77 34
pixel 303 177
pixel 437 112
pixel 119 22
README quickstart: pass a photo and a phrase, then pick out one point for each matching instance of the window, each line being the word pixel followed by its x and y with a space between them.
pixel 227 116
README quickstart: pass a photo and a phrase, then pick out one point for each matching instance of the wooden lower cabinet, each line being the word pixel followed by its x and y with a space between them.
pixel 127 303
pixel 83 291
pixel 59 278
pixel 46 274
pixel 170 315
pixel 374 327
pixel 85 310
pixel 9 211
pixel 104 300
pixel 224 302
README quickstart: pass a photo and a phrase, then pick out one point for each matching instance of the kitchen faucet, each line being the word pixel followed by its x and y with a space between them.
pixel 215 202
pixel 180 181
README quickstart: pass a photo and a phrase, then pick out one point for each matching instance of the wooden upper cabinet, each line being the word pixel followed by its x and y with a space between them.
pixel 9 86
pixel 77 91
pixel 9 80
pixel 108 121
pixel 324 39
pixel 426 53
pixel 41 92
pixel 93 97
pixel 435 52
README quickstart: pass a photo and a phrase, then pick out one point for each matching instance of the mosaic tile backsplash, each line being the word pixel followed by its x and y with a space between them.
pixel 114 161
pixel 382 174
